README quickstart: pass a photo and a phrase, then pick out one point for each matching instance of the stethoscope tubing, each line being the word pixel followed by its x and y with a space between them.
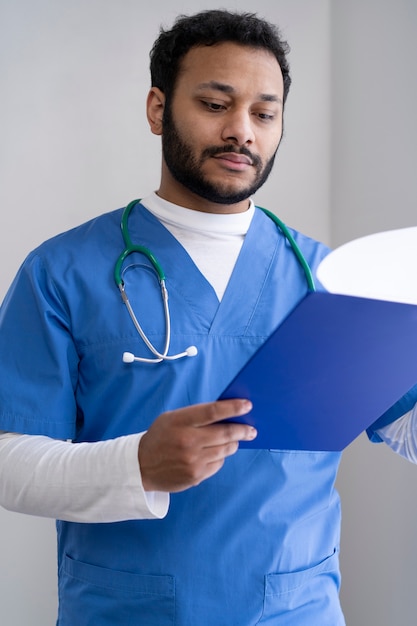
pixel 130 248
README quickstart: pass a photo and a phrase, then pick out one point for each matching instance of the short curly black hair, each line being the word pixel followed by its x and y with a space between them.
pixel 208 28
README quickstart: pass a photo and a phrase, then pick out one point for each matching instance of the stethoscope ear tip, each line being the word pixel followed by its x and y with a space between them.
pixel 128 357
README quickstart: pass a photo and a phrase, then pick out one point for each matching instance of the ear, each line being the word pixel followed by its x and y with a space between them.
pixel 155 105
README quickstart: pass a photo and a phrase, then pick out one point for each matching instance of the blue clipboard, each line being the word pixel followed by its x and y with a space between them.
pixel 330 370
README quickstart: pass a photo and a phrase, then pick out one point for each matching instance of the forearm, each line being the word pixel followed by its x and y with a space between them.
pixel 81 482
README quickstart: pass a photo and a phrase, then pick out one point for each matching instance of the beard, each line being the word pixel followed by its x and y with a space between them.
pixel 186 168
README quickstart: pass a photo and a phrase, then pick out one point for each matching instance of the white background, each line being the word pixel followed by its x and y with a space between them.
pixel 75 143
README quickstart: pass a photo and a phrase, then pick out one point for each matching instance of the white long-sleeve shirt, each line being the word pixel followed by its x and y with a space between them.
pixel 101 482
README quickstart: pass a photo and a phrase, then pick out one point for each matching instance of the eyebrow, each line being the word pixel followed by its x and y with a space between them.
pixel 228 89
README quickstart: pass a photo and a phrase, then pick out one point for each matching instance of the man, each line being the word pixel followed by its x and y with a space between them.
pixel 246 537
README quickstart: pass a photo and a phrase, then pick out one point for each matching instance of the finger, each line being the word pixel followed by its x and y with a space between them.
pixel 213 468
pixel 216 454
pixel 224 434
pixel 212 412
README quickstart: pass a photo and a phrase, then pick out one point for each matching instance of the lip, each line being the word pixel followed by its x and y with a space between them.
pixel 234 160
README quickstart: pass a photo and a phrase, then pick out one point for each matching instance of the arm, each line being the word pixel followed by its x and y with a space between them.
pixel 103 482
pixel 80 482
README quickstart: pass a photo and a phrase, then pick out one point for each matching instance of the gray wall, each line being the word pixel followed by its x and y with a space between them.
pixel 74 76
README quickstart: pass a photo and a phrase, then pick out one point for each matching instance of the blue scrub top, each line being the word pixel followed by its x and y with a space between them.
pixel 255 544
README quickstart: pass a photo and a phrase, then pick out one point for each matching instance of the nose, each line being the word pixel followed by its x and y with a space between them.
pixel 238 128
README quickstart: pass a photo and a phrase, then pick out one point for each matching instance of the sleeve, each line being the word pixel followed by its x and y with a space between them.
pixel 38 358
pixel 400 408
pixel 81 482
pixel 401 435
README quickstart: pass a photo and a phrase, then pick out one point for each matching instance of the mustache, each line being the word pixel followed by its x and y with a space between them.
pixel 215 150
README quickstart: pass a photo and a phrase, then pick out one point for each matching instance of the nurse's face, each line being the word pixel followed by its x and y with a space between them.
pixel 223 128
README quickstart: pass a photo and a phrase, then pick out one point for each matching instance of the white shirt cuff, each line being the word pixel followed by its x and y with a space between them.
pixel 401 435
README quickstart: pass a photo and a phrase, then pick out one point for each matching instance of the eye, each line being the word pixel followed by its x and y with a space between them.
pixel 266 117
pixel 213 106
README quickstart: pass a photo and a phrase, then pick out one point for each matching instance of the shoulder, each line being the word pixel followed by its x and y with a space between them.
pixel 76 255
pixel 84 235
pixel 313 250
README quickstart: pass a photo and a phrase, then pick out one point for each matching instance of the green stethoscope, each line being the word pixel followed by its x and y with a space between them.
pixel 130 248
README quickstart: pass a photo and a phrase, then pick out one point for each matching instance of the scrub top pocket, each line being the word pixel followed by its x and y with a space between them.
pixel 304 597
pixel 96 596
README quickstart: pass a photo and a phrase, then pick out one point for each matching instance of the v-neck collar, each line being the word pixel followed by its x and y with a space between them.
pixel 233 315
pixel 247 283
